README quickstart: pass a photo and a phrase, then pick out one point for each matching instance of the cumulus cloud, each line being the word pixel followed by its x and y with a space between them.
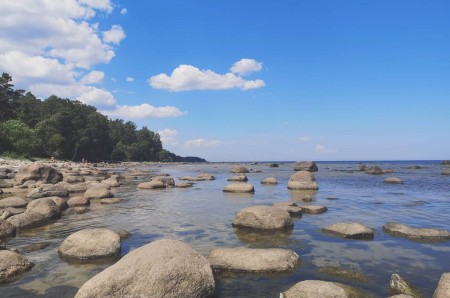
pixel 246 66
pixel 94 77
pixel 143 111
pixel 323 149
pixel 129 79
pixel 188 77
pixel 123 11
pixel 200 142
pixel 115 35
pixel 168 136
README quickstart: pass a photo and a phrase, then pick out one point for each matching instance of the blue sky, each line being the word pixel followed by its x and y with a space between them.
pixel 247 80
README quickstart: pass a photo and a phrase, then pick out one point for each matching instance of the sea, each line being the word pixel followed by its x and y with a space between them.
pixel 202 215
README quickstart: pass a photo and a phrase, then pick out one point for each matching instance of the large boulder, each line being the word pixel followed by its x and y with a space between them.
pixel 271 260
pixel 48 190
pixel 417 234
pixel 12 265
pixel 38 213
pixel 98 192
pixel 309 166
pixel 302 180
pixel 239 187
pixel 5 172
pixel 167 180
pixel 163 268
pixel 322 289
pixel 354 230
pixel 38 172
pixel 239 169
pixel 111 182
pixel 263 217
pixel 6 229
pixel 89 244
pixel 443 288
pixel 269 180
pixel 15 202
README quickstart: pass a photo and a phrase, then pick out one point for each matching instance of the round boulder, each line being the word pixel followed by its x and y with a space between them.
pixel 353 230
pixel 393 180
pixel 318 288
pixel 309 166
pixel 90 244
pixel 163 268
pixel 78 201
pixel 272 260
pixel 269 180
pixel 239 188
pixel 98 192
pixel 263 217
pixel 111 182
pixel 12 202
pixel 302 180
pixel 38 213
pixel 205 176
pixel 12 264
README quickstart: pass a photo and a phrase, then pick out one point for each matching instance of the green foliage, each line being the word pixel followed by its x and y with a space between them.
pixel 16 136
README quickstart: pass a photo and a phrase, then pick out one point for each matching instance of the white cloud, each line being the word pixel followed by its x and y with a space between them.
pixel 129 79
pixel 323 149
pixel 188 77
pixel 143 111
pixel 97 97
pixel 305 139
pixel 246 66
pixel 201 143
pixel 123 11
pixel 168 137
pixel 94 77
pixel 98 4
pixel 115 35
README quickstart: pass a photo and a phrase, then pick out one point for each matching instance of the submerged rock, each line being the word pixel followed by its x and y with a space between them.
pixel 342 273
pixel 397 285
pixel 239 188
pixel 290 207
pixel 443 288
pixel 110 201
pixel 353 230
pixel 48 190
pixel 263 217
pixel 185 184
pixel 163 268
pixel 417 234
pixel 302 180
pixel 269 180
pixel 12 265
pixel 322 289
pixel 77 210
pixel 309 166
pixel 271 260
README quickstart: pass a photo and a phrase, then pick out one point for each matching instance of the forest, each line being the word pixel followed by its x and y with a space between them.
pixel 71 130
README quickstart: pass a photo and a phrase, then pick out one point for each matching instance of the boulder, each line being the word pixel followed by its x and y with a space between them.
pixel 312 209
pixel 78 201
pixel 393 180
pixel 273 165
pixel 361 168
pixel 98 192
pixel 239 169
pixel 338 272
pixel 77 187
pixel 375 170
pixel 4 172
pixel 443 288
pixel 352 230
pixel 6 183
pixel 151 185
pixel 271 260
pixel 110 201
pixel 269 180
pixel 290 207
pixel 205 176
pixel 77 210
pixel 185 184
pixel 163 268
pixel 111 182
pixel 302 180
pixel 89 244
pixel 168 181
pixel 238 178
pixel 29 184
pixel 446 172
pixel 309 166
pixel 263 218
pixel 73 179
pixel 397 285
pixel 60 203
pixel 239 187
pixel 123 234
pixel 417 234
pixel 48 190
pixel 12 265
pixel 322 289
pixel 38 172
pixel 12 202
pixel 6 229
pixel 38 213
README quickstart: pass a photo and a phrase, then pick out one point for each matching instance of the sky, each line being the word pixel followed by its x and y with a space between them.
pixel 247 80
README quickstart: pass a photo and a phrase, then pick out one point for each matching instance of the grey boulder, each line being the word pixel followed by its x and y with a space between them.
pixel 38 172
pixel 263 217
pixel 417 234
pixel 354 230
pixel 302 180
pixel 12 265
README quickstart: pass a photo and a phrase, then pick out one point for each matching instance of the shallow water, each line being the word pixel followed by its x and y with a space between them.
pixel 202 216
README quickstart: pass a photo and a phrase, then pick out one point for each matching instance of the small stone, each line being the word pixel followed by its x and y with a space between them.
pixel 292 208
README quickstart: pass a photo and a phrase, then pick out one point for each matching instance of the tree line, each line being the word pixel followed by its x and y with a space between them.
pixel 70 130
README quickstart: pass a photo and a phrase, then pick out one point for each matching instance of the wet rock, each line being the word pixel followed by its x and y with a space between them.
pixel 39 212
pixel 34 247
pixel 38 172
pixel 312 209
pixel 151 185
pixel 393 180
pixel 352 230
pixel 12 202
pixel 398 285
pixel 239 169
pixel 123 234
pixel 238 178
pixel 111 182
pixel 110 201
pixel 89 244
pixel 263 217
pixel 417 234
pixel 272 260
pixel 375 170
pixel 185 184
pixel 60 203
pixel 77 210
pixel 168 181
pixel 77 187
pixel 163 268
pixel 342 273
pixel 239 188
pixel 98 192
pixel 443 288
pixel 6 229
pixel 12 265
pixel 205 176
pixel 290 207
pixel 302 180
pixel 401 296
pixel 269 180
pixel 73 179
pixel 48 190
pixel 78 201
pixel 322 289
pixel 309 166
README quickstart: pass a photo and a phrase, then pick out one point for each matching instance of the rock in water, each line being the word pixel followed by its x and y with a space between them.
pixel 12 265
pixel 309 166
pixel 264 218
pixel 98 192
pixel 353 230
pixel 6 229
pixel 269 180
pixel 321 289
pixel 239 169
pixel 375 170
pixel 89 244
pixel 270 260
pixel 302 180
pixel 443 288
pixel 239 187
pixel 38 213
pixel 417 234
pixel 163 268
pixel 38 172
pixel 393 180
pixel 238 178
pixel 313 209
pixel 398 285
pixel 151 185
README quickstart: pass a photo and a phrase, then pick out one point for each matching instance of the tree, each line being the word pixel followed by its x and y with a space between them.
pixel 8 96
pixel 17 137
